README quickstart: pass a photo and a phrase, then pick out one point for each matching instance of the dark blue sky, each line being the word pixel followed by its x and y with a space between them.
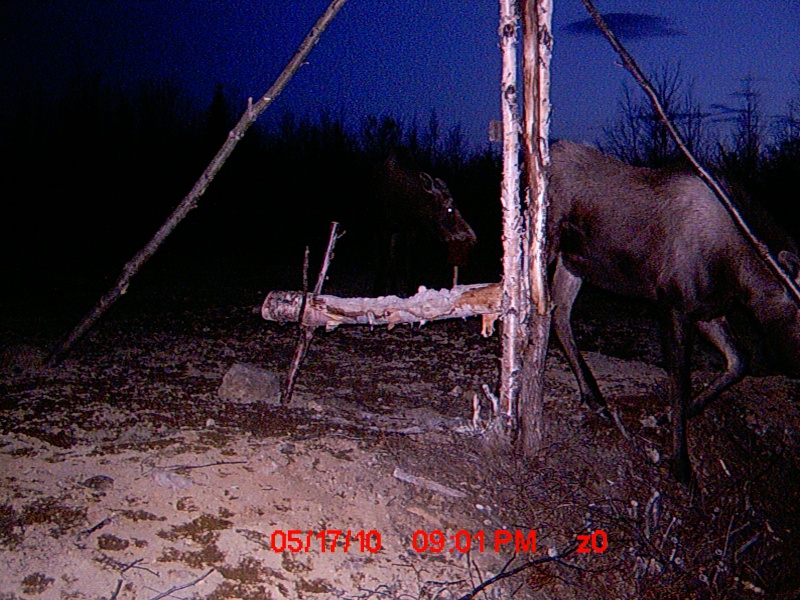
pixel 401 58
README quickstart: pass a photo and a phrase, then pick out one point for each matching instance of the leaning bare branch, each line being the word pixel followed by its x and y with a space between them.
pixel 427 305
pixel 190 201
pixel 631 65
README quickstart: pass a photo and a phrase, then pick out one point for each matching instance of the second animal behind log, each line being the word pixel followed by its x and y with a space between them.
pixel 412 206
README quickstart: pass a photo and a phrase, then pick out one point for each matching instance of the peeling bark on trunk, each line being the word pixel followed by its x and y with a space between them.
pixel 537 49
pixel 427 305
pixel 515 305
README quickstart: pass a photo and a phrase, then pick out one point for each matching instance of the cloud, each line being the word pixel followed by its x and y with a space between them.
pixel 627 26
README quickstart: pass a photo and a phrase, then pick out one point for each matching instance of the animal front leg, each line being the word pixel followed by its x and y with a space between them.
pixel 677 353
pixel 564 291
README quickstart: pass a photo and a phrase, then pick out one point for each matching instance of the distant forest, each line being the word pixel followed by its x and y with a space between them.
pixel 91 173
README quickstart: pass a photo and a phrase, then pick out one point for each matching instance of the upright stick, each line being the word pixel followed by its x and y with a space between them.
pixel 307 332
pixel 190 201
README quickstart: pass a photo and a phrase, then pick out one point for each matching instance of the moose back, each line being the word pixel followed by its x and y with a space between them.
pixel 662 236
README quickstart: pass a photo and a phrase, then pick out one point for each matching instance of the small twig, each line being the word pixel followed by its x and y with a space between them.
pixel 135 563
pixel 427 484
pixel 123 567
pixel 503 574
pixel 307 332
pixel 326 262
pixel 651 507
pixel 476 411
pixel 748 543
pixel 213 464
pixel 620 426
pixel 305 271
pixel 493 399
pixel 94 528
pixel 666 533
pixel 728 536
pixel 115 593
pixel 183 587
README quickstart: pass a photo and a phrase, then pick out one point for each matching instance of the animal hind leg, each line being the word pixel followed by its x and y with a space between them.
pixel 719 334
pixel 565 289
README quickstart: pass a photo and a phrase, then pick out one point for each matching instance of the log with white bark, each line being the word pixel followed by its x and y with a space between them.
pixel 427 305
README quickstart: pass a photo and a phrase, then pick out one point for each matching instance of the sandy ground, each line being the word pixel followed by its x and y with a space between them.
pixel 127 474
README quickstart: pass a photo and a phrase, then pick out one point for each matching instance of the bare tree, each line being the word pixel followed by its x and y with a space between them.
pixel 787 125
pixel 741 158
pixel 639 136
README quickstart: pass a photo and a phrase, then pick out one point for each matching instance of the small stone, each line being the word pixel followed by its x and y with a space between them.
pixel 248 384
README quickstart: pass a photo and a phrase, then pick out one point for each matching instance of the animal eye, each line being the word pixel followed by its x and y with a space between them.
pixel 449 210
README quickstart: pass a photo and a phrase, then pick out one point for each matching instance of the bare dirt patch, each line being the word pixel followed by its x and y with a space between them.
pixel 124 475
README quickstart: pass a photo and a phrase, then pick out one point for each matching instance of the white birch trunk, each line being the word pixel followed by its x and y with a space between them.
pixel 514 292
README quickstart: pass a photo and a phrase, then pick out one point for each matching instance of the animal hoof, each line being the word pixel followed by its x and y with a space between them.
pixel 681 471
pixel 695 409
pixel 605 414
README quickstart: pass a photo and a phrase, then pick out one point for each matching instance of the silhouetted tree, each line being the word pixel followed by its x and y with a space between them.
pixel 639 137
pixel 219 119
pixel 740 159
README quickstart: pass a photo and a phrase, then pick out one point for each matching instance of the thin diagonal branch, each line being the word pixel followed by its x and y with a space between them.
pixel 307 331
pixel 190 201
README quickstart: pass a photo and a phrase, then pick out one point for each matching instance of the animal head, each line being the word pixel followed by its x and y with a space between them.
pixel 411 200
pixel 448 223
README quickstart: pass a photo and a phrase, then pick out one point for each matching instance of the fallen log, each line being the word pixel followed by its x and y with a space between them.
pixel 461 301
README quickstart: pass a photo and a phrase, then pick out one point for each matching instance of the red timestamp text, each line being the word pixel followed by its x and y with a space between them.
pixel 325 540
pixel 520 541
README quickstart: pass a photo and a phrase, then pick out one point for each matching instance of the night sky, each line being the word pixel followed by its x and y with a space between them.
pixel 400 58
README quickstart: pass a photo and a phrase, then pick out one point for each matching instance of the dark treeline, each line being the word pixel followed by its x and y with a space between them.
pixel 91 174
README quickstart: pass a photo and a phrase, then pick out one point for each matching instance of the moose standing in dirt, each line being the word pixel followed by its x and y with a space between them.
pixel 661 235
pixel 410 202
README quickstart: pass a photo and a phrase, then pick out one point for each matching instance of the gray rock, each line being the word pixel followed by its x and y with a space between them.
pixel 246 384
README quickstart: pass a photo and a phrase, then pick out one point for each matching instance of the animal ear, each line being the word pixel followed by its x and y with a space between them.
pixel 427 181
pixel 790 262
